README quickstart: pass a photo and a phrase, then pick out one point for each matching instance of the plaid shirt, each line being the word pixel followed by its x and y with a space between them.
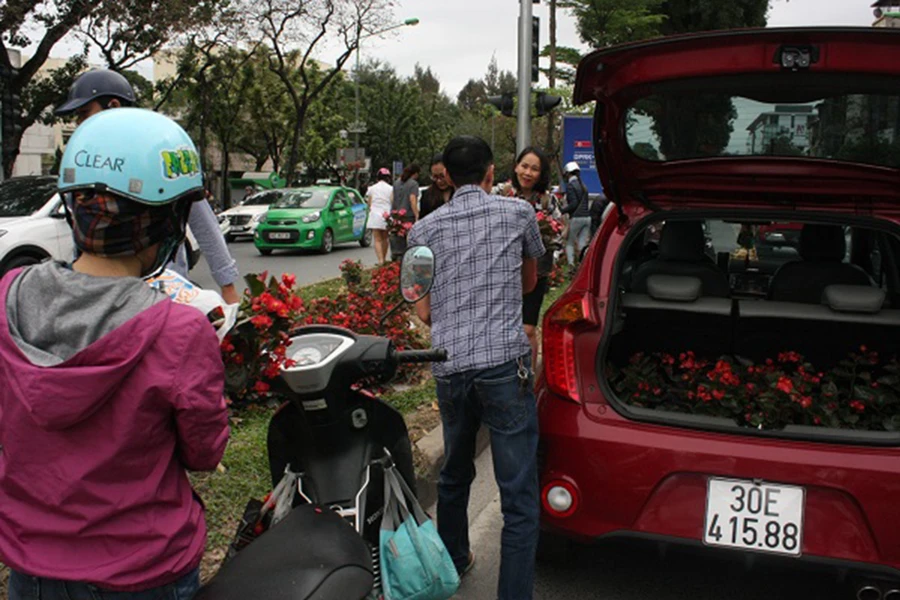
pixel 479 242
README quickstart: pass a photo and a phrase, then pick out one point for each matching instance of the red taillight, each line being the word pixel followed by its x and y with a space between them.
pixel 558 335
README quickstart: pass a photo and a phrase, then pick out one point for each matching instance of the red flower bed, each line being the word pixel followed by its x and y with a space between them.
pixel 256 348
pixel 862 392
pixel 361 307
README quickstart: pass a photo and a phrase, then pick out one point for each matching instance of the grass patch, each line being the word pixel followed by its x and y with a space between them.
pixel 328 288
pixel 246 476
pixel 409 399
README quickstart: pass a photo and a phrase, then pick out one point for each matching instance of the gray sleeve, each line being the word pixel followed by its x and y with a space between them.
pixel 205 227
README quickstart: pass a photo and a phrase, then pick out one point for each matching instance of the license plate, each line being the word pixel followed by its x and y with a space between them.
pixel 754 516
pixel 276 235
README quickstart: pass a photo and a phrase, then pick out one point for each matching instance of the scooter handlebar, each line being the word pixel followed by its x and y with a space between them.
pixel 421 356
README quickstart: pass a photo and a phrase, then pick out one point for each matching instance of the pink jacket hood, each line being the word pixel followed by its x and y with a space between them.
pixel 89 379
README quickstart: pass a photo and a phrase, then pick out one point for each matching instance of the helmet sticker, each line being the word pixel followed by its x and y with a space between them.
pixel 180 163
pixel 68 175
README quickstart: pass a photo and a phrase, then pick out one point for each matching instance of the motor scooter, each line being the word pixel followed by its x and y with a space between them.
pixel 335 439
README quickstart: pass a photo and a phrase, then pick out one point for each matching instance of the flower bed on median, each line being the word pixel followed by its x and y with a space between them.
pixel 255 350
pixel 862 392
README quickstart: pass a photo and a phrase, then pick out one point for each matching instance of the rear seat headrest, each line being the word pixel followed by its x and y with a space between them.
pixel 822 243
pixel 674 288
pixel 854 298
pixel 682 241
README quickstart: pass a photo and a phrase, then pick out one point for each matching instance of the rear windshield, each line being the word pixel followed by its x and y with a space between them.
pixel 22 197
pixel 302 199
pixel 681 124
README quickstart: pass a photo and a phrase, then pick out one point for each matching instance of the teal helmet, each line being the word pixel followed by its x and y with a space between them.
pixel 133 153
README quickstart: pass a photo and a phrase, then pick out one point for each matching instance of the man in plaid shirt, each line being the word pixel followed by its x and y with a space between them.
pixel 486 249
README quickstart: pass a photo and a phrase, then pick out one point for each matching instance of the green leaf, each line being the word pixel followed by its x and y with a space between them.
pixel 256 286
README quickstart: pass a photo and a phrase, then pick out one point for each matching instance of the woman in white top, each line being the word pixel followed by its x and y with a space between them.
pixel 379 198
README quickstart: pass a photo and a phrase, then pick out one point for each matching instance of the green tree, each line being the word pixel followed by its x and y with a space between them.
pixel 132 29
pixel 606 22
pixel 408 118
pixel 293 31
pixel 687 124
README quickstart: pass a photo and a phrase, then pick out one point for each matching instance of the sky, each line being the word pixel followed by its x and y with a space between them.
pixel 457 38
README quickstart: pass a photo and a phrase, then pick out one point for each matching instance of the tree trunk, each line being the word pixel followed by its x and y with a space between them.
pixel 226 188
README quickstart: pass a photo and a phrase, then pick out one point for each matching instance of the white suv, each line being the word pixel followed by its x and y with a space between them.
pixel 243 218
pixel 33 224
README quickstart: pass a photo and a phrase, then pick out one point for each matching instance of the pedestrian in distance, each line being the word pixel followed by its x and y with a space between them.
pixel 486 250
pixel 531 182
pixel 378 197
pixel 578 207
pixel 118 390
pixel 101 89
pixel 405 206
pixel 406 192
pixel 439 192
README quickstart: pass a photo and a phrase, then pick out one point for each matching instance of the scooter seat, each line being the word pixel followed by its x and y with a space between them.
pixel 313 554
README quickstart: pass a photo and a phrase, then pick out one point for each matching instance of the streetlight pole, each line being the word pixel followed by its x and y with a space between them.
pixel 359 127
pixel 523 133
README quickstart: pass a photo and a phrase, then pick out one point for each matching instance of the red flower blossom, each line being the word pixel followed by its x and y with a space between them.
pixel 289 279
pixel 261 387
pixel 785 385
pixel 858 406
pixel 261 322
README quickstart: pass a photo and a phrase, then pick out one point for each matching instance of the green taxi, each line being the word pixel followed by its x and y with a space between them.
pixel 313 218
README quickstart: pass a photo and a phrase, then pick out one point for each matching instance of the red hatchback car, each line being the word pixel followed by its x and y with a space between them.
pixel 748 403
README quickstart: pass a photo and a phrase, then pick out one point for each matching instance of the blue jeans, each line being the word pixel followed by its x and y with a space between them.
pixel 25 587
pixel 505 403
pixel 580 231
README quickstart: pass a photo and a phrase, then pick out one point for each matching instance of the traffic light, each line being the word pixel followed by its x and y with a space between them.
pixel 10 104
pixel 504 103
pixel 535 49
pixel 544 103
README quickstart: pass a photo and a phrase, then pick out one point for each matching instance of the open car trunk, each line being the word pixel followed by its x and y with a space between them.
pixel 767 346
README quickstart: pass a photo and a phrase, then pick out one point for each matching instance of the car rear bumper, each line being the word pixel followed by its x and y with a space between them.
pixel 637 479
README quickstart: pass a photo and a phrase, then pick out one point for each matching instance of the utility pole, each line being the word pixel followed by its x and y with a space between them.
pixel 523 132
pixel 551 147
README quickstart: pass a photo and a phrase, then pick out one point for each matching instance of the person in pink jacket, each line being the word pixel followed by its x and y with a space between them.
pixel 111 391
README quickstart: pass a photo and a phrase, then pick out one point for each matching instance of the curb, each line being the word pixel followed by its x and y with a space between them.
pixel 432 447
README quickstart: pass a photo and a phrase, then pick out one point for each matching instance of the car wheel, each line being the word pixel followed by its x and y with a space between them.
pixel 327 242
pixel 264 251
pixel 366 239
pixel 23 260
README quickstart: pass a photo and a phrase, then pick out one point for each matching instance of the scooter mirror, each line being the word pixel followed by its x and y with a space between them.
pixel 416 273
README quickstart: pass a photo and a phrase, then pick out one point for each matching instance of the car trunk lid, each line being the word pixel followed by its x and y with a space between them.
pixel 797 118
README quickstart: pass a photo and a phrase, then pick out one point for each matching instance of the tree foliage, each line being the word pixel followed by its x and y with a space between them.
pixel 686 124
pixel 125 31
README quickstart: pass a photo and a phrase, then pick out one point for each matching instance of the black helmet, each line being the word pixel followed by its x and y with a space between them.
pixel 96 84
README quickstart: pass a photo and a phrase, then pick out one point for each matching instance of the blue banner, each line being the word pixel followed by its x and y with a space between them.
pixel 578 145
